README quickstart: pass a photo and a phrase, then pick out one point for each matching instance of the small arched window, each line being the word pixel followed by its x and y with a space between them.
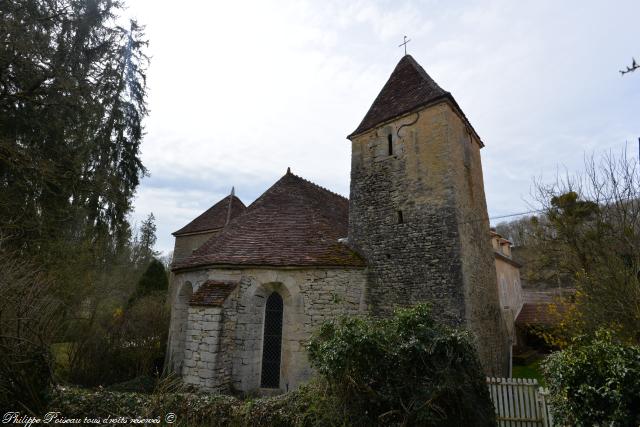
pixel 272 342
pixel 390 144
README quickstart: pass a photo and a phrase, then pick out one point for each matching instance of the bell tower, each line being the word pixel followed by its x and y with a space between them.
pixel 418 212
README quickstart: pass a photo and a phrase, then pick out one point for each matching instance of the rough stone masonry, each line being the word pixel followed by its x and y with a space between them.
pixel 415 229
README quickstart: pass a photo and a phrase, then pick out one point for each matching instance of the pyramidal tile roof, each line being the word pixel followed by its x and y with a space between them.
pixel 293 223
pixel 215 217
pixel 409 87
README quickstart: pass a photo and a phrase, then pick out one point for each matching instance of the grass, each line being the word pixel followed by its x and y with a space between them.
pixel 532 370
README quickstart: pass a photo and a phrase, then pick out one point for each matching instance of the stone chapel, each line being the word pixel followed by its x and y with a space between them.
pixel 250 283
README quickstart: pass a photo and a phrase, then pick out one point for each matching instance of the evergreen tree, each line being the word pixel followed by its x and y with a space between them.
pixel 144 242
pixel 72 100
pixel 154 279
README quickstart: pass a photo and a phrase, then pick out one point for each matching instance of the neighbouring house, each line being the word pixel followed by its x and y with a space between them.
pixel 250 284
pixel 509 286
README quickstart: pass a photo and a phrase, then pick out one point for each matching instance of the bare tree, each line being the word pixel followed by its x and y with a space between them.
pixel 591 232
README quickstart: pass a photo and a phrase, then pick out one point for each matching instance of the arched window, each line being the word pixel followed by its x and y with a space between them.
pixel 272 342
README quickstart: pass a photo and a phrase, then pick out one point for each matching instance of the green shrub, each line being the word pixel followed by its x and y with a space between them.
pixel 308 406
pixel 406 370
pixel 189 408
pixel 595 382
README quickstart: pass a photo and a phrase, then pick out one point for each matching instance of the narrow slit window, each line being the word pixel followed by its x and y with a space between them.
pixel 467 151
pixel 390 144
pixel 400 218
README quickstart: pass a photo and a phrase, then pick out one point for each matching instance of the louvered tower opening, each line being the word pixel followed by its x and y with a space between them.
pixel 272 342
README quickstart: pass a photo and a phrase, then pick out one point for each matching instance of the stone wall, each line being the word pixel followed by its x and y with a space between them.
pixel 186 244
pixel 429 253
pixel 483 312
pixel 179 296
pixel 183 247
pixel 416 260
pixel 233 358
pixel 202 352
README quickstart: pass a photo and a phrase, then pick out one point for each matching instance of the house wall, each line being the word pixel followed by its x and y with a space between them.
pixel 223 346
pixel 510 291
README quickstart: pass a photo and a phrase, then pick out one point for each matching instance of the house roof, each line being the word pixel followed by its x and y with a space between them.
pixel 293 223
pixel 548 296
pixel 409 87
pixel 215 217
pixel 544 308
pixel 538 314
pixel 212 293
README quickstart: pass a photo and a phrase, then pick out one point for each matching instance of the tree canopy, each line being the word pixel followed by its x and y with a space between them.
pixel 153 279
pixel 72 101
pixel 588 238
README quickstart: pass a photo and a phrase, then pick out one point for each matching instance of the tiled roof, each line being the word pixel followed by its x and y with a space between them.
pixel 294 223
pixel 212 293
pixel 544 314
pixel 547 296
pixel 408 88
pixel 215 217
pixel 544 307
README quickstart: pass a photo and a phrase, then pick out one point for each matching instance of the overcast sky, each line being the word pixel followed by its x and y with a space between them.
pixel 239 91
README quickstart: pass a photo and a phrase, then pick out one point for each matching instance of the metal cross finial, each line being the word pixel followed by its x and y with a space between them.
pixel 404 44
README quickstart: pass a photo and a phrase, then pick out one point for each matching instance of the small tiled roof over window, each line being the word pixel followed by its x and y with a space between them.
pixel 215 217
pixel 212 293
pixel 409 87
pixel 294 223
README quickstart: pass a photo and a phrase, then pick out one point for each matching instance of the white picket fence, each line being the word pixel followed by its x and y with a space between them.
pixel 519 402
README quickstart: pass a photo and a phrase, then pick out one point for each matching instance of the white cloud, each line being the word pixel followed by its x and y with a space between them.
pixel 241 90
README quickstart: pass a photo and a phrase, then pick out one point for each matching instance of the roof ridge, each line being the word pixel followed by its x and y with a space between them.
pixel 291 174
pixel 333 193
pixel 233 197
pixel 420 69
pixel 408 87
pixel 295 222
pixel 196 224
